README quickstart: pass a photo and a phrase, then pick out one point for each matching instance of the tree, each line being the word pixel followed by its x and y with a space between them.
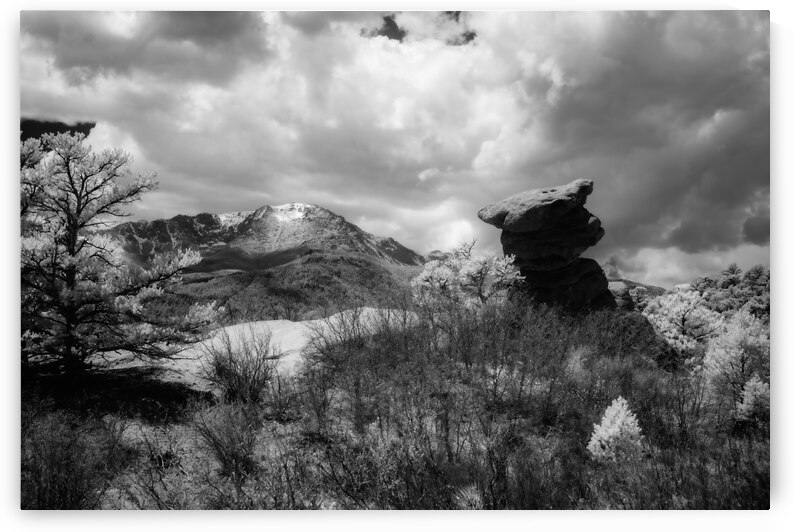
pixel 730 291
pixel 30 155
pixel 464 278
pixel 731 276
pixel 753 406
pixel 682 318
pixel 618 436
pixel 80 298
pixel 737 355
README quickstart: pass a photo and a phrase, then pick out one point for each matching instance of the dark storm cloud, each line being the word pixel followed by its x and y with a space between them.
pixel 709 229
pixel 755 228
pixel 389 29
pixel 209 47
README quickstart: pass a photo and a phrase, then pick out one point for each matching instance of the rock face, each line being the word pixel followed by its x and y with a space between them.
pixel 547 230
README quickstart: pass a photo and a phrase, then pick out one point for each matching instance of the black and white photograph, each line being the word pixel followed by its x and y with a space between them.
pixel 394 260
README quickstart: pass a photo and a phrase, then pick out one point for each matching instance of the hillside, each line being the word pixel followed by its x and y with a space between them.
pixel 313 285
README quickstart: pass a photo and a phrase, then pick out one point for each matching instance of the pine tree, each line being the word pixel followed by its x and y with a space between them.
pixel 80 298
pixel 618 436
pixel 754 403
pixel 682 318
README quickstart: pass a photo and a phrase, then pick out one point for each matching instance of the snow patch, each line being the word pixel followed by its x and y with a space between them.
pixel 232 219
pixel 290 211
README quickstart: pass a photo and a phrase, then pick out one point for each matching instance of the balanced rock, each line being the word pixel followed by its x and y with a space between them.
pixel 547 230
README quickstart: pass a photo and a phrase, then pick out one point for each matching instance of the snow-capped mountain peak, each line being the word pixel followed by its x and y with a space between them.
pixel 291 211
pixel 268 229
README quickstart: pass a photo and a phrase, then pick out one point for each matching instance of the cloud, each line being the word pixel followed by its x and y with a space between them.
pixel 313 23
pixel 670 266
pixel 756 229
pixel 204 46
pixel 667 112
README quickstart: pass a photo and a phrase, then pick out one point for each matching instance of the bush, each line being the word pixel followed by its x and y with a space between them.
pixel 241 365
pixel 159 481
pixel 229 432
pixel 618 436
pixel 286 478
pixel 67 462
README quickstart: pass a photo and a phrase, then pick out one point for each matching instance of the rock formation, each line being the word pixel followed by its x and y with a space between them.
pixel 547 230
pixel 620 291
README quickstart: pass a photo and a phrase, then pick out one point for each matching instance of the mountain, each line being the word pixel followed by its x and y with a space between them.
pixel 261 239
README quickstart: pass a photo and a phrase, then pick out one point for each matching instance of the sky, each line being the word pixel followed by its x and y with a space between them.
pixel 408 123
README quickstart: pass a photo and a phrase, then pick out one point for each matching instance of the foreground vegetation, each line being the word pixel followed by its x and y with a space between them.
pixel 489 406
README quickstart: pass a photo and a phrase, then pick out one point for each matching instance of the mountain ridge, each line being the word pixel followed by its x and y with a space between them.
pixel 252 239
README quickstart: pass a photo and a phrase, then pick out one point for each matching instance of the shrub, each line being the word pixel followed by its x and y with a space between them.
pixel 159 480
pixel 286 479
pixel 242 364
pixel 229 432
pixel 618 436
pixel 282 405
pixel 67 462
pixel 468 498
pixel 400 473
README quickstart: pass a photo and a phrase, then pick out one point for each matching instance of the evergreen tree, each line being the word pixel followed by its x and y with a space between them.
pixel 683 319
pixel 618 436
pixel 80 298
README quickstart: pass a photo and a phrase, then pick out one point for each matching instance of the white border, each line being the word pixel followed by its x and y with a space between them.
pixel 782 46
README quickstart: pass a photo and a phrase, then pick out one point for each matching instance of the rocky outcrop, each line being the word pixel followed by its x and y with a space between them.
pixel 547 230
pixel 621 293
